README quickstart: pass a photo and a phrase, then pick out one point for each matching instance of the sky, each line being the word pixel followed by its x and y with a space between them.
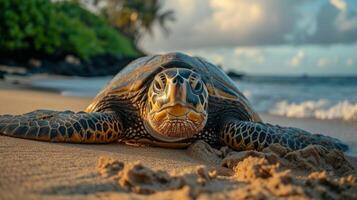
pixel 275 37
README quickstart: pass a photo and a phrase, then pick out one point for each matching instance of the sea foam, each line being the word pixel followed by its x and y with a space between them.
pixel 320 109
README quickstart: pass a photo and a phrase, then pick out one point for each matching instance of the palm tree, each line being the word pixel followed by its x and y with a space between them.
pixel 135 17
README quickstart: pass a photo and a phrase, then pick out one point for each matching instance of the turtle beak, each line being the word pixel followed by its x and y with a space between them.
pixel 177 91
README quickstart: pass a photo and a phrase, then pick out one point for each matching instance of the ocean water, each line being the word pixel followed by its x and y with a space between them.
pixel 301 97
pixel 75 86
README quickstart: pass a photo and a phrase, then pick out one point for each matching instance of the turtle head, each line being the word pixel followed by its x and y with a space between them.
pixel 177 104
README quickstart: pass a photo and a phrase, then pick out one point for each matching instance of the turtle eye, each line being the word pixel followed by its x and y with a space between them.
pixel 157 86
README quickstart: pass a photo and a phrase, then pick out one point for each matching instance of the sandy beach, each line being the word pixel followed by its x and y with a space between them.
pixel 40 170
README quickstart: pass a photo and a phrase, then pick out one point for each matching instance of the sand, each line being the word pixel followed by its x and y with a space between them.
pixel 276 172
pixel 40 170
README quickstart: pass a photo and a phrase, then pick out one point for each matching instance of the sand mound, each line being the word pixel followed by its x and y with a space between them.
pixel 136 178
pixel 202 151
pixel 312 158
pixel 267 180
pixel 312 172
pixel 277 172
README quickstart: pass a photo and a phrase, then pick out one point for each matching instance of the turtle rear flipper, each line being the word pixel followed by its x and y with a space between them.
pixel 67 126
pixel 242 135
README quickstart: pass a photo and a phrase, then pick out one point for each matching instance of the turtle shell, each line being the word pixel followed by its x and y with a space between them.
pixel 140 72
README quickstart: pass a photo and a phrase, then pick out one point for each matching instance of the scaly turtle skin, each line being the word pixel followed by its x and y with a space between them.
pixel 166 100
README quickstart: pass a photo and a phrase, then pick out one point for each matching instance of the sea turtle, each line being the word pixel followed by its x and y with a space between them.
pixel 168 100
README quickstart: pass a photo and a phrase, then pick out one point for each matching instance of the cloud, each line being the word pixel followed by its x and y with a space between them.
pixel 250 22
pixel 334 25
pixel 297 59
pixel 214 23
pixel 217 23
pixel 277 60
pixel 349 61
pixel 323 62
pixel 252 54
pixel 218 59
pixel 339 4
pixel 211 56
pixel 232 15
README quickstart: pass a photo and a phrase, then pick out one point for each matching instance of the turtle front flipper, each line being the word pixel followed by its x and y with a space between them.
pixel 243 135
pixel 64 126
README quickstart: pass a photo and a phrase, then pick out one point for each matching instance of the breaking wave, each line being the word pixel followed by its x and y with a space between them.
pixel 320 109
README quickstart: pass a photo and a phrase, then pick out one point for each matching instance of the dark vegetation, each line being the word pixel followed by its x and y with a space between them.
pixel 135 17
pixel 65 38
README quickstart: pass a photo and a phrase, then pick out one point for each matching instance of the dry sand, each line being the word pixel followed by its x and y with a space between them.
pixel 40 170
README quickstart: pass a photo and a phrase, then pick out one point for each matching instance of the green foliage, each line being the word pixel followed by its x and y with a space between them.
pixel 43 27
pixel 135 17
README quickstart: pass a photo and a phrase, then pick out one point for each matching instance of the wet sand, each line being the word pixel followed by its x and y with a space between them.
pixel 40 170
